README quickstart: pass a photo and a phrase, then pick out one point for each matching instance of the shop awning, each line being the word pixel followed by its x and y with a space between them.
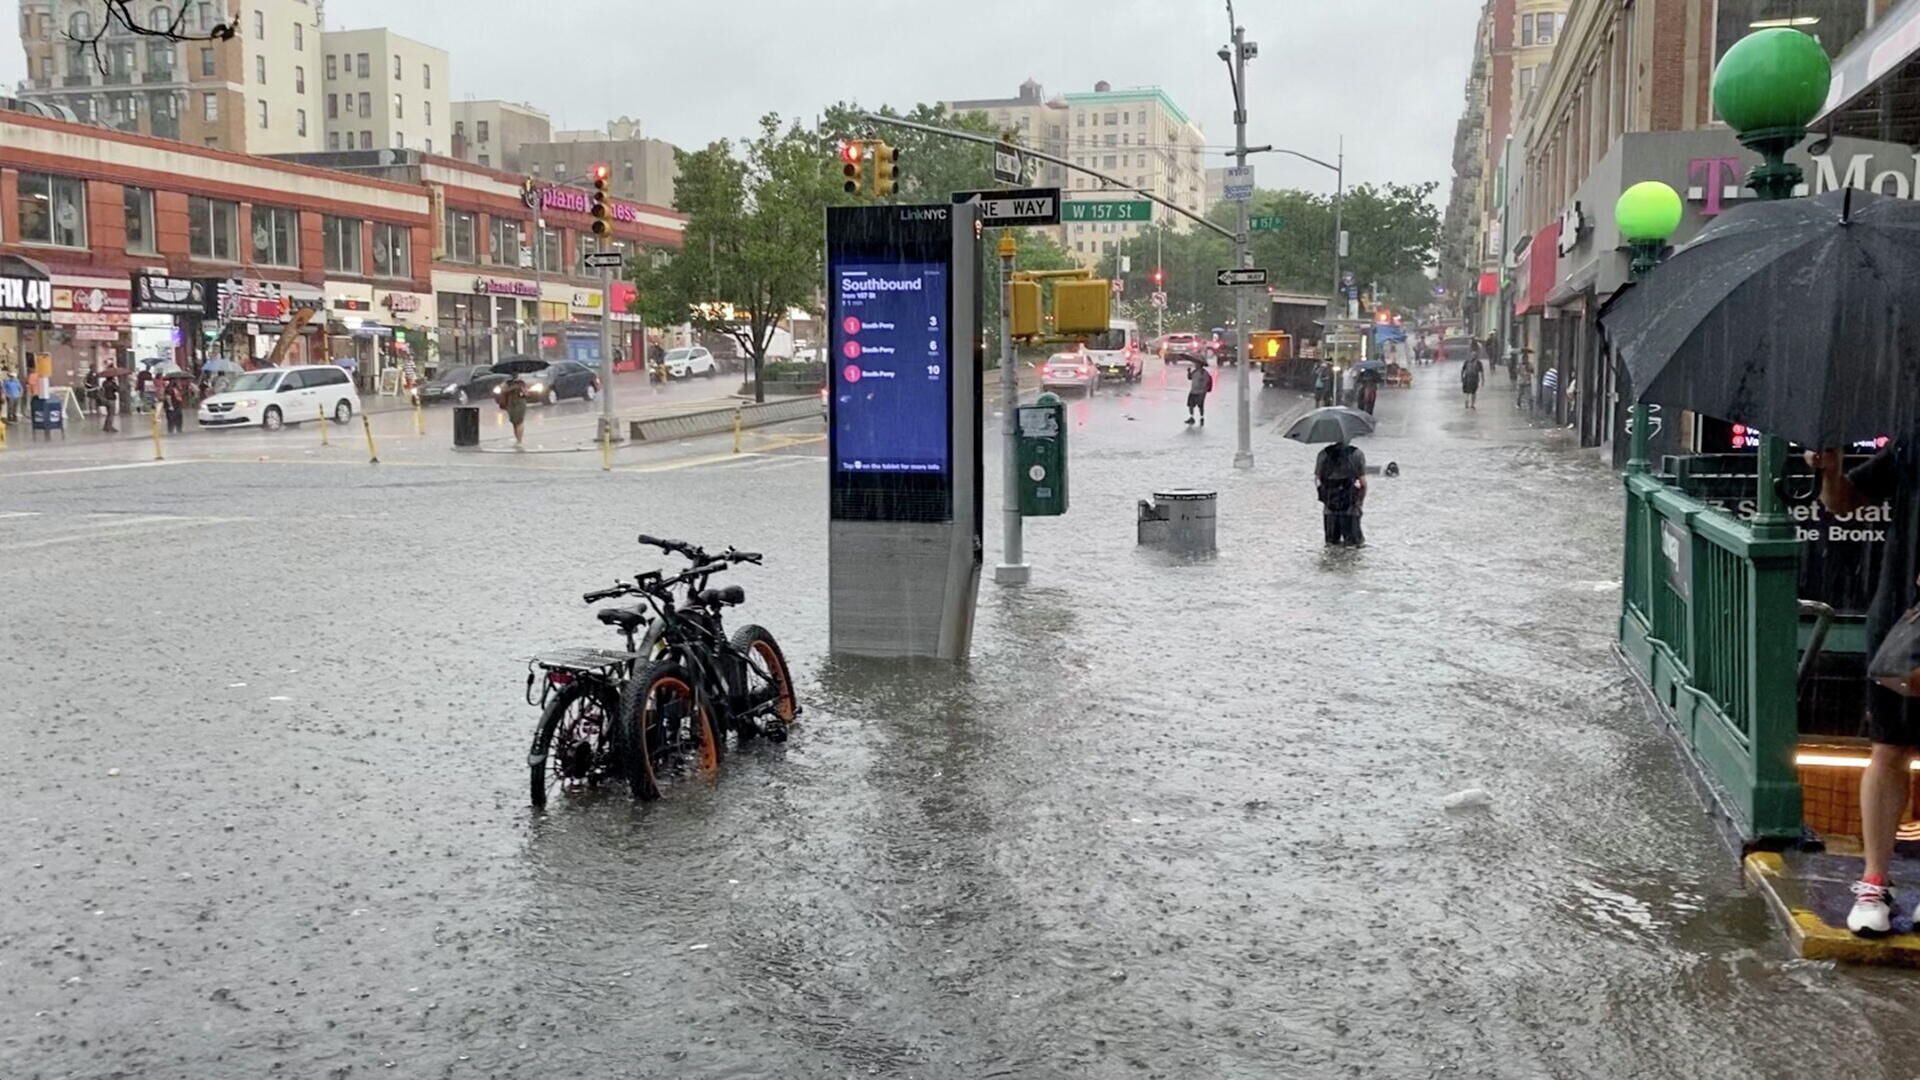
pixel 1539 270
pixel 1875 92
pixel 1489 284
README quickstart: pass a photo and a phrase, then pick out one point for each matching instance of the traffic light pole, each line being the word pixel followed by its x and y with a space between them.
pixel 1013 568
pixel 608 433
pixel 1243 409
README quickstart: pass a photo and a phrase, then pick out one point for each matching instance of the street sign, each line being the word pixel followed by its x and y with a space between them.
pixel 1239 184
pixel 1107 210
pixel 605 260
pixel 1249 276
pixel 1003 209
pixel 1009 165
pixel 1264 223
pixel 1159 299
pixel 1119 286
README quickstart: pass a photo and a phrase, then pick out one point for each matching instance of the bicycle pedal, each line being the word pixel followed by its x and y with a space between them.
pixel 776 730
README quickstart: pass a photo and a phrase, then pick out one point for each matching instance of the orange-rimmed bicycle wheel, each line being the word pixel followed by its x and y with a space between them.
pixel 768 677
pixel 667 732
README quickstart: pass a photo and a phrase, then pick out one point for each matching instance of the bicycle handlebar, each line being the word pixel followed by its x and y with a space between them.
pixel 605 594
pixel 674 547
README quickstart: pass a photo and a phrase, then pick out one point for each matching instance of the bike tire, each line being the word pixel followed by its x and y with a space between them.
pixel 641 735
pixel 758 643
pixel 549 723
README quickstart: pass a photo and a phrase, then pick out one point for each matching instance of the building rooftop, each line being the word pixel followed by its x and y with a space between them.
pixel 1100 96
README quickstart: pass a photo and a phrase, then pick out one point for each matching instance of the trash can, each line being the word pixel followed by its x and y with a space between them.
pixel 466 425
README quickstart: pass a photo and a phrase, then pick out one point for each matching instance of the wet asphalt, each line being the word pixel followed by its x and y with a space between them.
pixel 266 809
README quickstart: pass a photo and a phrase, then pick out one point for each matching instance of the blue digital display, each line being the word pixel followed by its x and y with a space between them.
pixel 890 363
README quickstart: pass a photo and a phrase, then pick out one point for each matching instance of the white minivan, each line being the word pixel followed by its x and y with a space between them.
pixel 1116 353
pixel 275 397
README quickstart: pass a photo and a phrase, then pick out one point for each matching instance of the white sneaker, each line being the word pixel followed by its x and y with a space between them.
pixel 1873 910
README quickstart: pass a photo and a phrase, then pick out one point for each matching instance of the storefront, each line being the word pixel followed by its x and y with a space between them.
pixel 482 319
pixel 248 316
pixel 26 304
pixel 91 321
pixel 167 313
pixel 409 315
pixel 629 330
pixel 355 335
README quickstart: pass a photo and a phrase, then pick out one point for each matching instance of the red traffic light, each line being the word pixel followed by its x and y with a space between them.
pixel 852 150
pixel 600 173
pixel 1159 276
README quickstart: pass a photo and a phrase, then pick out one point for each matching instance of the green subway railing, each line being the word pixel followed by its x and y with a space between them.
pixel 1710 621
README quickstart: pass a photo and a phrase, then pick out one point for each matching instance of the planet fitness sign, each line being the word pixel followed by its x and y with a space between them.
pixel 580 202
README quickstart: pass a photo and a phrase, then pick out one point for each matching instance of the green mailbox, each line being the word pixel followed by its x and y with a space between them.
pixel 1043 457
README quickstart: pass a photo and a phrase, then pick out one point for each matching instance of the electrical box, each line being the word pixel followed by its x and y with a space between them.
pixel 1042 437
pixel 1081 307
pixel 1026 309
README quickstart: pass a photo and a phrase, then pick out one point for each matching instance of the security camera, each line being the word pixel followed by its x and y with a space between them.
pixel 1251 50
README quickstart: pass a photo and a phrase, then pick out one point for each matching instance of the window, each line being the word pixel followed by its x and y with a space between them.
pixel 1108 162
pixel 300 122
pixel 333 106
pixel 366 105
pixel 1526 83
pixel 299 38
pixel 1833 23
pixel 209 106
pixel 1139 161
pixel 1526 29
pixel 1543 33
pixel 1080 121
pixel 559 169
pixel 399 140
pixel 366 140
pixel 263 114
pixel 396 65
pixel 503 242
pixel 80 24
pixel 459 238
pixel 459 129
pixel 1112 140
pixel 627 169
pixel 360 62
pixel 480 130
pixel 333 140
pixel 333 67
pixel 260 70
pixel 536 168
pixel 486 161
pixel 299 79
pixel 399 107
pixel 206 15
pixel 206 62
pixel 428 145
pixel 276 236
pixel 160 58
pixel 392 254
pixel 211 225
pixel 1112 117
pixel 53 210
pixel 546 254
pixel 259 26
pixel 426 76
pixel 342 239
pixel 427 115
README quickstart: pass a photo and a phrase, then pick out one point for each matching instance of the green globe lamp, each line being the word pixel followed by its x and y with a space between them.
pixel 1768 88
pixel 1647 214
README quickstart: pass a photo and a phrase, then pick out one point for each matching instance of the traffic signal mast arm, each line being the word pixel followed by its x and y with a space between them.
pixel 985 140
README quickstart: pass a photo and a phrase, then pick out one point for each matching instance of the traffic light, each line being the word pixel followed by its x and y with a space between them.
pixel 853 154
pixel 886 169
pixel 1159 278
pixel 1267 346
pixel 602 212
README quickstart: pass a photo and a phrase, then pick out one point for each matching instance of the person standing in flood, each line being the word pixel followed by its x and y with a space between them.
pixel 1199 384
pixel 513 400
pixel 1470 375
pixel 1340 477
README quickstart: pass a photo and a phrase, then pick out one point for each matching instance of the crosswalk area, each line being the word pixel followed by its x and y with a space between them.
pixel 32 530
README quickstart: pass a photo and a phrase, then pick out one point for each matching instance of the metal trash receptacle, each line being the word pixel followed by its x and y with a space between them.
pixel 1181 520
pixel 466 425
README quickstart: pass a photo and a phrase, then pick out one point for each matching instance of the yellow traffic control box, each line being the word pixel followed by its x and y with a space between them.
pixel 1025 314
pixel 1082 307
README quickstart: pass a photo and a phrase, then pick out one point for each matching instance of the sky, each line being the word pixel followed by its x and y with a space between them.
pixel 1389 75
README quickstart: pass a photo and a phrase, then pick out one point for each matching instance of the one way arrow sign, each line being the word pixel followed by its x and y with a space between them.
pixel 1001 209
pixel 1249 276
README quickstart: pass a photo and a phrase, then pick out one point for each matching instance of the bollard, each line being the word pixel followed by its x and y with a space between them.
pixel 373 452
pixel 322 410
pixel 157 454
pixel 419 418
pixel 736 427
pixel 3 433
pixel 606 448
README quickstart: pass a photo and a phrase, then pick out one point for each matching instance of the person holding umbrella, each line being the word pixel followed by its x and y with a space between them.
pixel 110 399
pixel 1340 470
pixel 1199 384
pixel 513 400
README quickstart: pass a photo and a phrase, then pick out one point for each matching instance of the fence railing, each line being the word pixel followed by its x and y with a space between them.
pixel 1710 621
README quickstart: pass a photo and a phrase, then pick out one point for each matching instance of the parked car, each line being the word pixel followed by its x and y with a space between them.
pixel 1116 353
pixel 460 385
pixel 275 397
pixel 693 360
pixel 557 381
pixel 1175 345
pixel 1224 347
pixel 1069 371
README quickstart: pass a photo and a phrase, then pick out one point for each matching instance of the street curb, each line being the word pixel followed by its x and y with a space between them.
pixel 1768 874
pixel 714 421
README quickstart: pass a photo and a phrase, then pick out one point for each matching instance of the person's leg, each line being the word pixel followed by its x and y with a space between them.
pixel 1884 794
pixel 1203 410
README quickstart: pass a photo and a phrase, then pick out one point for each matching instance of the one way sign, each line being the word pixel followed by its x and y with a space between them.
pixel 1248 276
pixel 1001 209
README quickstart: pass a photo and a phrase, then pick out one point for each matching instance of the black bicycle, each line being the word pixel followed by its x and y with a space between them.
pixel 576 744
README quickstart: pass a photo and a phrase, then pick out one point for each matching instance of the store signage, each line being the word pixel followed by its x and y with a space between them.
pixel 351 303
pixel 24 297
pixel 578 201
pixel 505 287
pixel 1716 182
pixel 1573 226
pixel 251 300
pixel 588 301
pixel 400 302
pixel 159 294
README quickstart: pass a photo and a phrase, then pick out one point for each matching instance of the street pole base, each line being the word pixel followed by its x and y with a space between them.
pixel 607 431
pixel 1243 460
pixel 1010 574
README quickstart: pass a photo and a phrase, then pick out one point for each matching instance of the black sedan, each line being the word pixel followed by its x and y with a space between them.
pixel 558 381
pixel 460 385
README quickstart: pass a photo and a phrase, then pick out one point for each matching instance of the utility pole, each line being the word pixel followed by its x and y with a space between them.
pixel 1013 568
pixel 1243 453
pixel 539 286
pixel 608 434
pixel 1339 236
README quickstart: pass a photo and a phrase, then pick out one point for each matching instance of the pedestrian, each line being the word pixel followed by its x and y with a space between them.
pixel 1368 391
pixel 110 400
pixel 90 386
pixel 1470 373
pixel 1893 718
pixel 513 399
pixel 1550 392
pixel 1513 364
pixel 10 389
pixel 174 395
pixel 1199 384
pixel 1523 396
pixel 1340 480
pixel 1322 384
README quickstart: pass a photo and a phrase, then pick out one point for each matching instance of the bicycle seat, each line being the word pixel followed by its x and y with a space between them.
pixel 627 619
pixel 729 596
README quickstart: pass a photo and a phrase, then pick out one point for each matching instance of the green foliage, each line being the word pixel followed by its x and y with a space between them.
pixel 932 168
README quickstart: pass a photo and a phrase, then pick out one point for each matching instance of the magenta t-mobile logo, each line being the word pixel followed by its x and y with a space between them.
pixel 1713 180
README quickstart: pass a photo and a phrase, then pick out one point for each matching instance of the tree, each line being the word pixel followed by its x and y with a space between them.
pixel 117 17
pixel 754 211
pixel 932 167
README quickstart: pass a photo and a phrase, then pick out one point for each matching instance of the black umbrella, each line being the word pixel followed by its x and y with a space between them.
pixel 1334 423
pixel 1799 317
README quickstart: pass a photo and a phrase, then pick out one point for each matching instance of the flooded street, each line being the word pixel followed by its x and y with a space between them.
pixel 267 794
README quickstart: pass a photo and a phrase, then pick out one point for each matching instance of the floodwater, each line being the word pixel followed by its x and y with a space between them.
pixel 1178 818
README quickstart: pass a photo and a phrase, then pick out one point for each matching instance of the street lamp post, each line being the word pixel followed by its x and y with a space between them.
pixel 1243 407
pixel 1338 166
pixel 1647 214
pixel 1768 88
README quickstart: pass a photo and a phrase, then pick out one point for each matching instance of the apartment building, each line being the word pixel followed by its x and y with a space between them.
pixel 492 134
pixel 384 91
pixel 643 169
pixel 258 92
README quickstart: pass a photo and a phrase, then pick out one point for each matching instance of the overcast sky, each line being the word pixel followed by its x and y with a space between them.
pixel 1389 74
